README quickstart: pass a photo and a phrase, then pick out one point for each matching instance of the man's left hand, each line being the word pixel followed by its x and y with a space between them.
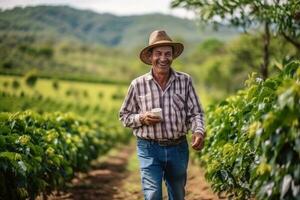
pixel 197 141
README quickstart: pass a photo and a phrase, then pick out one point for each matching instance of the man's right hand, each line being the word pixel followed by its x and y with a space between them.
pixel 147 118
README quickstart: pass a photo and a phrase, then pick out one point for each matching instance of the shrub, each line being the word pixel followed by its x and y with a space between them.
pixel 252 145
pixel 31 78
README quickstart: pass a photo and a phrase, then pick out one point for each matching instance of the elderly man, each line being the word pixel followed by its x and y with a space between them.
pixel 161 138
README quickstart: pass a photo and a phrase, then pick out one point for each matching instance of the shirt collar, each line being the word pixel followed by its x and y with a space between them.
pixel 174 75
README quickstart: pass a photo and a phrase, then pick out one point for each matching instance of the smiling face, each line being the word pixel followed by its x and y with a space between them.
pixel 162 58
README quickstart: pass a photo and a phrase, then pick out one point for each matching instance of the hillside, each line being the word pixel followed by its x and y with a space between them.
pixel 67 43
pixel 105 29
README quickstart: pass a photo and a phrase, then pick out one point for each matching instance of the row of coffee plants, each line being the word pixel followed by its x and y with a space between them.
pixel 12 103
pixel 252 148
pixel 40 152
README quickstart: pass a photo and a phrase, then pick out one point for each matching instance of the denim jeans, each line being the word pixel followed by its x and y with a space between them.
pixel 168 163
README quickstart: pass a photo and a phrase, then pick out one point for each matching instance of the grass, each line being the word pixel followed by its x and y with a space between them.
pixel 68 91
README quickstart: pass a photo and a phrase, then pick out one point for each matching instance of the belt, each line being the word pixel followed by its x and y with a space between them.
pixel 166 142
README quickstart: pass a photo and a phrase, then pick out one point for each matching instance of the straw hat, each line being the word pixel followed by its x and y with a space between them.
pixel 160 38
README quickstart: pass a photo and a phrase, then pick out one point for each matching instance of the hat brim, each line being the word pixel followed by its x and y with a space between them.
pixel 145 53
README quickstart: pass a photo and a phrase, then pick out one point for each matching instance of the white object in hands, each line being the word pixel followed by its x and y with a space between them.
pixel 157 112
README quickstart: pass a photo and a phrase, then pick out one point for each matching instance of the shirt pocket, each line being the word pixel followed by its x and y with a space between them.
pixel 178 102
pixel 179 112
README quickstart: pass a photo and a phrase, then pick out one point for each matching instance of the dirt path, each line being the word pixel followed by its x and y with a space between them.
pixel 116 177
pixel 197 188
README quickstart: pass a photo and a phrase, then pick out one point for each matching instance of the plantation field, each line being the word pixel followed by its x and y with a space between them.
pixel 75 121
pixel 67 91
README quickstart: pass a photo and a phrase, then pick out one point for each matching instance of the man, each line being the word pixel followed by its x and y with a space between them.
pixel 161 142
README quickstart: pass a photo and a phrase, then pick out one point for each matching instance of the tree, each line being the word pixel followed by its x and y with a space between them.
pixel 31 78
pixel 280 17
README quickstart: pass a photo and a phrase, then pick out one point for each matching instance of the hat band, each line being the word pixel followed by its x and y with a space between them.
pixel 160 41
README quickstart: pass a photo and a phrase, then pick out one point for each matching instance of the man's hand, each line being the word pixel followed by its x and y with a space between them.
pixel 148 118
pixel 197 141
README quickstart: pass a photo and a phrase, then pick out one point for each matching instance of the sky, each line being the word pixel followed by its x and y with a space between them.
pixel 117 7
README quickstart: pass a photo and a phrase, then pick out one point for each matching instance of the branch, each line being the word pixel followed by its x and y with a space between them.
pixel 291 40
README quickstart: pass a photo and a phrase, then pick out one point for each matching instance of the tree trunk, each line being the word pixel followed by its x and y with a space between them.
pixel 265 64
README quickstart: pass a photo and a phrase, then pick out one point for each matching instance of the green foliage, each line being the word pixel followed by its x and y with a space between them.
pixel 15 84
pixel 117 95
pixel 81 62
pixel 55 84
pixel 31 78
pixel 253 138
pixel 206 49
pixel 225 66
pixel 40 104
pixel 275 16
pixel 85 94
pixel 38 153
pixel 7 64
pixel 280 14
pixel 37 51
pixel 279 142
pixel 100 95
pixel 5 84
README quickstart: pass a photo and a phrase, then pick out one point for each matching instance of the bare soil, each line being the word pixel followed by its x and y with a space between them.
pixel 116 177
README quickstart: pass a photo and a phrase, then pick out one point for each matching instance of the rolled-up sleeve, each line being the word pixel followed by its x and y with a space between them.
pixel 195 114
pixel 128 114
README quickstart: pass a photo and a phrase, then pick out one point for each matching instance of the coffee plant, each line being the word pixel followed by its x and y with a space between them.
pixel 252 148
pixel 40 152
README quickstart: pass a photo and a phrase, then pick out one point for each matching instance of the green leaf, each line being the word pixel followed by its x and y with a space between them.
pixel 286 183
pixel 10 155
pixel 2 141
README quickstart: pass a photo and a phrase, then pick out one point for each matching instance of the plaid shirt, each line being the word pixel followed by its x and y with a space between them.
pixel 180 105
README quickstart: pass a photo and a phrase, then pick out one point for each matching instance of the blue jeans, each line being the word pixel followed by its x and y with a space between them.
pixel 168 163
